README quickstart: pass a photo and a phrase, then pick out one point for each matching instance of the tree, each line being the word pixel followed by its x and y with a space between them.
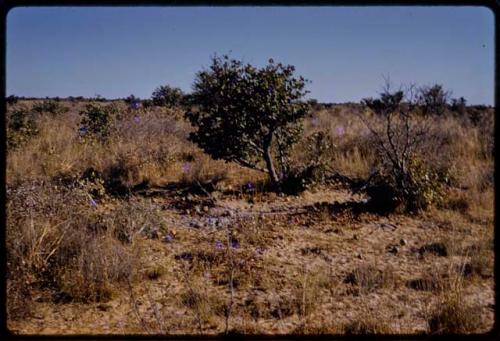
pixel 167 96
pixel 247 115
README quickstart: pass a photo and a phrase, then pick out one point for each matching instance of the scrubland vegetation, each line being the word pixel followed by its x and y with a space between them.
pixel 378 217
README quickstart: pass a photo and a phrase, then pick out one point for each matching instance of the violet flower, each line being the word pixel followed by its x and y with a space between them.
pixel 219 245
pixel 186 167
pixel 168 238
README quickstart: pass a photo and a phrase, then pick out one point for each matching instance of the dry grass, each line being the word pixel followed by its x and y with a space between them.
pixel 454 316
pixel 140 247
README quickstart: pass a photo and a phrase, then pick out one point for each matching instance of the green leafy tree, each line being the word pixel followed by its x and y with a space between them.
pixel 248 115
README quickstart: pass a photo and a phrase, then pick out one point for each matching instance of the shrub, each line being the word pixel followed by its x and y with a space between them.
pixel 21 126
pixel 403 170
pixel 256 110
pixel 98 121
pixel 167 96
pixel 12 99
pixel 49 106
pixel 433 99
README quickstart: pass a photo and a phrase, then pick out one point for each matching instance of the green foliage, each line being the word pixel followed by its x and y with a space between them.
pixel 98 122
pixel 167 96
pixel 416 187
pixel 318 150
pixel 243 113
pixel 49 106
pixel 21 126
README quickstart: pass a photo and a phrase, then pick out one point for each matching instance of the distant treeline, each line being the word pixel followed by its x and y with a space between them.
pixel 166 96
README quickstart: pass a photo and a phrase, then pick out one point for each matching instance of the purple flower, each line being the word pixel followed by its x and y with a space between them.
pixel 235 244
pixel 340 131
pixel 137 119
pixel 135 105
pixel 211 220
pixel 168 238
pixel 315 121
pixel 186 167
pixel 290 221
pixel 93 203
pixel 259 251
pixel 270 90
pixel 219 245
pixel 83 130
pixel 249 185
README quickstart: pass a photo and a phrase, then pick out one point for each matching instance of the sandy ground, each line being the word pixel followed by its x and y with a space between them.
pixel 298 240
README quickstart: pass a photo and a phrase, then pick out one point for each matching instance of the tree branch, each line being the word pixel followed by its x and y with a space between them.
pixel 247 164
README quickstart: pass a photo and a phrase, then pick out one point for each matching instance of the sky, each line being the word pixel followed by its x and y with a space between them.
pixel 345 52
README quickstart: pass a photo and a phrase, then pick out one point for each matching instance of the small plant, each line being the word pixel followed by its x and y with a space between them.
pixel 98 121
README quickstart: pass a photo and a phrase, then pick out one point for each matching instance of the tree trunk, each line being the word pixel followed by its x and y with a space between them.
pixel 269 160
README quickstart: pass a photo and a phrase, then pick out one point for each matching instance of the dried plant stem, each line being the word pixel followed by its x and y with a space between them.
pixel 230 283
pixel 193 294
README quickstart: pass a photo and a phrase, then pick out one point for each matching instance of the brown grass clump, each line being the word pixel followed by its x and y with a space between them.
pixel 452 315
pixel 365 324
pixel 367 278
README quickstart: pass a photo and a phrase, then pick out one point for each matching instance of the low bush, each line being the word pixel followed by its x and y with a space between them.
pixel 98 122
pixel 21 126
pixel 49 107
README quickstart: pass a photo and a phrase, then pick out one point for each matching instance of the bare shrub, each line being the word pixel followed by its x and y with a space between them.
pixel 415 183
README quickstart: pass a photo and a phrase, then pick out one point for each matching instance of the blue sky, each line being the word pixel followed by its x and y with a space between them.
pixel 344 51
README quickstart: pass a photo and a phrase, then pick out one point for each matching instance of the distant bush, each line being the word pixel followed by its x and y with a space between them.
pixel 433 99
pixel 167 96
pixel 12 99
pixel 98 121
pixel 49 106
pixel 387 103
pixel 21 126
pixel 459 105
pixel 131 99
